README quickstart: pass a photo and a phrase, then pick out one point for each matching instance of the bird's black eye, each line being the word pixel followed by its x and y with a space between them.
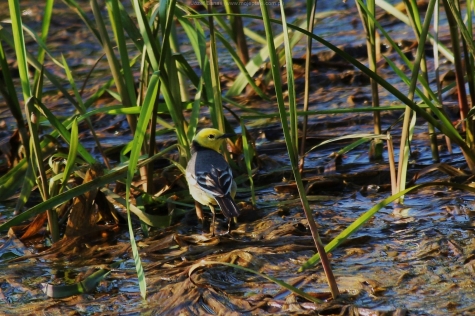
pixel 211 136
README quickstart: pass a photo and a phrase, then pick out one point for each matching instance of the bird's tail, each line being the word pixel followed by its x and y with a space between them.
pixel 228 206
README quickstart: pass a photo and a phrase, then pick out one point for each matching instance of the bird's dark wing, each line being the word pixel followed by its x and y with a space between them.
pixel 213 174
pixel 228 206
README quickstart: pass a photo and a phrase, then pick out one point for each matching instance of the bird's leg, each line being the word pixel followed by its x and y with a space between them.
pixel 213 220
pixel 229 228
pixel 229 225
pixel 200 214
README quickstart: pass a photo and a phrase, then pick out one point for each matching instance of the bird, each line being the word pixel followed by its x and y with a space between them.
pixel 209 177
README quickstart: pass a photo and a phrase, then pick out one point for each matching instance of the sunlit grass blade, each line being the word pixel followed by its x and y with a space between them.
pixel 242 68
pixel 198 42
pixel 180 88
pixel 117 27
pixel 85 286
pixel 72 153
pixel 402 55
pixel 239 63
pixel 130 27
pixel 364 137
pixel 436 50
pixel 237 28
pixel 195 34
pixel 36 156
pixel 311 8
pixel 182 77
pixel 252 67
pixel 392 10
pixel 421 32
pixel 195 113
pixel 185 68
pixel 432 99
pixel 466 33
pixel 20 49
pixel 216 106
pixel 175 90
pixel 56 176
pixel 404 151
pixel 46 21
pixel 248 156
pixel 290 89
pixel 28 182
pixel 77 8
pixel 403 18
pixel 289 139
pixel 156 54
pixel 80 106
pixel 470 57
pixel 114 64
pixel 9 93
pixel 456 26
pixel 144 118
pixel 373 51
pixel 136 256
pixel 82 109
pixel 151 45
pixel 152 220
pixel 42 47
pixel 65 134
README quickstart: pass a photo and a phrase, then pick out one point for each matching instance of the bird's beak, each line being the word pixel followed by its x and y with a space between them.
pixel 228 135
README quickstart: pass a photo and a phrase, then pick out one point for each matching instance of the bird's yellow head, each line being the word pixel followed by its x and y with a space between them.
pixel 210 138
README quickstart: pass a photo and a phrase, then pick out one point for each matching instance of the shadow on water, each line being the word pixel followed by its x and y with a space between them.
pixel 419 256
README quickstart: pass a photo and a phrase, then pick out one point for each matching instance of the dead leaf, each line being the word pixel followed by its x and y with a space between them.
pixel 35 226
pixel 83 219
